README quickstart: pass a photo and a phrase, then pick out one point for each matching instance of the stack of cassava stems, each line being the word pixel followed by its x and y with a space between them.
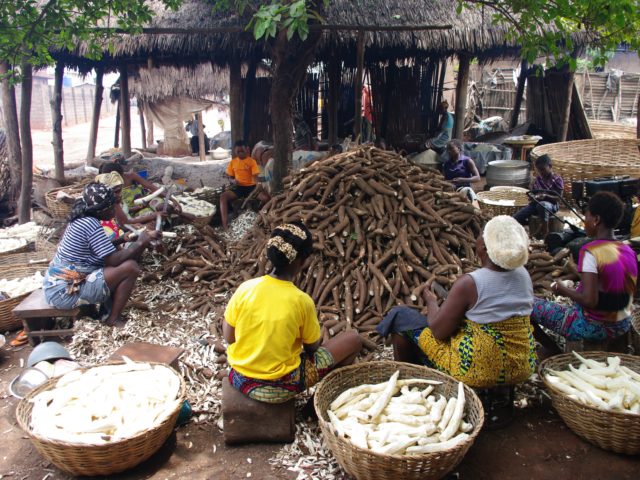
pixel 545 269
pixel 383 230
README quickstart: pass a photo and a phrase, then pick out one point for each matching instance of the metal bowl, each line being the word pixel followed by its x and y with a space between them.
pixel 508 172
pixel 29 379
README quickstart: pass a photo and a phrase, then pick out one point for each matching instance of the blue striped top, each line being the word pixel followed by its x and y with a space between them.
pixel 84 244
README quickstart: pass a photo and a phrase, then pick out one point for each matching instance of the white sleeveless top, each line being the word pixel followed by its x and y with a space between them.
pixel 501 295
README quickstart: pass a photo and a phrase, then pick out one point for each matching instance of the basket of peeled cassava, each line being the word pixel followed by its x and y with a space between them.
pixel 386 420
pixel 105 419
pixel 597 394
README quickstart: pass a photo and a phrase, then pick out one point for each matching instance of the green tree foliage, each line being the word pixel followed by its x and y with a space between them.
pixel 546 27
pixel 30 29
pixel 269 18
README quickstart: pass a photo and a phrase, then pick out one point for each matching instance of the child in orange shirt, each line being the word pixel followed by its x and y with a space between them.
pixel 244 170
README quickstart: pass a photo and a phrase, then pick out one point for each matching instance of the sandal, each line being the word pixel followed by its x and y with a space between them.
pixel 21 339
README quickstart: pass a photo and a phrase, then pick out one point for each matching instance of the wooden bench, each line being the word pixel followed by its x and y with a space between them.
pixel 38 318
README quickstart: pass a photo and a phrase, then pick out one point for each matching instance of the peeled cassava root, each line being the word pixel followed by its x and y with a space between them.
pixel 400 417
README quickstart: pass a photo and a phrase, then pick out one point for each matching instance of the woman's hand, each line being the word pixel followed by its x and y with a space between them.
pixel 428 295
pixel 146 237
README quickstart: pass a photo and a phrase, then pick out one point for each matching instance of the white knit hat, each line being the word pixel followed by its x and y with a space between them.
pixel 507 242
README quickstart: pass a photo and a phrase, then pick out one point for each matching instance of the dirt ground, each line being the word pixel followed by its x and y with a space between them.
pixel 536 445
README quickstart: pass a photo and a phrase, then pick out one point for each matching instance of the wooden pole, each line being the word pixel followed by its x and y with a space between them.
pixel 24 205
pixel 150 136
pixel 12 129
pixel 95 116
pixel 566 108
pixel 56 115
pixel 116 140
pixel 522 80
pixel 333 97
pixel 357 123
pixel 235 100
pixel 249 88
pixel 202 153
pixel 143 130
pixel 464 62
pixel 125 111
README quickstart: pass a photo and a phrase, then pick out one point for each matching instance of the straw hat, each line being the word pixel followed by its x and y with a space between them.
pixel 111 179
pixel 507 242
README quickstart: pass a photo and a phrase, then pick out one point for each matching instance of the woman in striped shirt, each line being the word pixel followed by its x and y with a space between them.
pixel 87 268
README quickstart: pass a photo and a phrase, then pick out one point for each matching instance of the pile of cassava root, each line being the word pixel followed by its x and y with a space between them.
pixel 383 230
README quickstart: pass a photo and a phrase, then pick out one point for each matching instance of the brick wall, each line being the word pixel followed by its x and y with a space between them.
pixel 77 104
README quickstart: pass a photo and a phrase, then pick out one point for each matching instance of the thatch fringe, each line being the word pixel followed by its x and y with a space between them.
pixel 199 81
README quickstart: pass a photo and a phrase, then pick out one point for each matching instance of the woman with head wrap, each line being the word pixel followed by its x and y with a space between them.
pixel 272 327
pixel 481 334
pixel 87 268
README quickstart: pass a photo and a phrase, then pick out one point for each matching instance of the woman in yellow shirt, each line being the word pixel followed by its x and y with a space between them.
pixel 273 331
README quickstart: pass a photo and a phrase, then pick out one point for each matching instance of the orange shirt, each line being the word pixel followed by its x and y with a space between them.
pixel 243 171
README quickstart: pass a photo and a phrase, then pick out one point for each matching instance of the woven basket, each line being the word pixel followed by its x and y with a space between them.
pixel 25 258
pixel 602 129
pixel 58 208
pixel 519 198
pixel 635 332
pixel 364 464
pixel 615 431
pixel 203 221
pixel 589 159
pixel 24 248
pixel 106 459
pixel 8 321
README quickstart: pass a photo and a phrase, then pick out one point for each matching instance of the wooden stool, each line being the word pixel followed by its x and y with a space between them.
pixel 498 404
pixel 247 420
pixel 38 318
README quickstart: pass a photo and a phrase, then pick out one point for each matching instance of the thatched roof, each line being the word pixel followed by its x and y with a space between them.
pixel 472 32
pixel 199 81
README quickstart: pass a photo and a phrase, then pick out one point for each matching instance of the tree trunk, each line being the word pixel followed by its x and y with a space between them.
pixel 150 139
pixel 333 97
pixel 357 118
pixel 143 132
pixel 517 106
pixel 201 151
pixel 12 130
pixel 125 111
pixel 24 206
pixel 464 61
pixel 566 108
pixel 290 61
pixel 235 100
pixel 249 87
pixel 56 116
pixel 95 117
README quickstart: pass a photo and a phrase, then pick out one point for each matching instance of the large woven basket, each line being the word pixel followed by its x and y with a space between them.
pixel 589 159
pixel 615 431
pixel 24 259
pixel 8 321
pixel 518 197
pixel 58 208
pixel 364 464
pixel 105 459
pixel 22 249
pixel 603 129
